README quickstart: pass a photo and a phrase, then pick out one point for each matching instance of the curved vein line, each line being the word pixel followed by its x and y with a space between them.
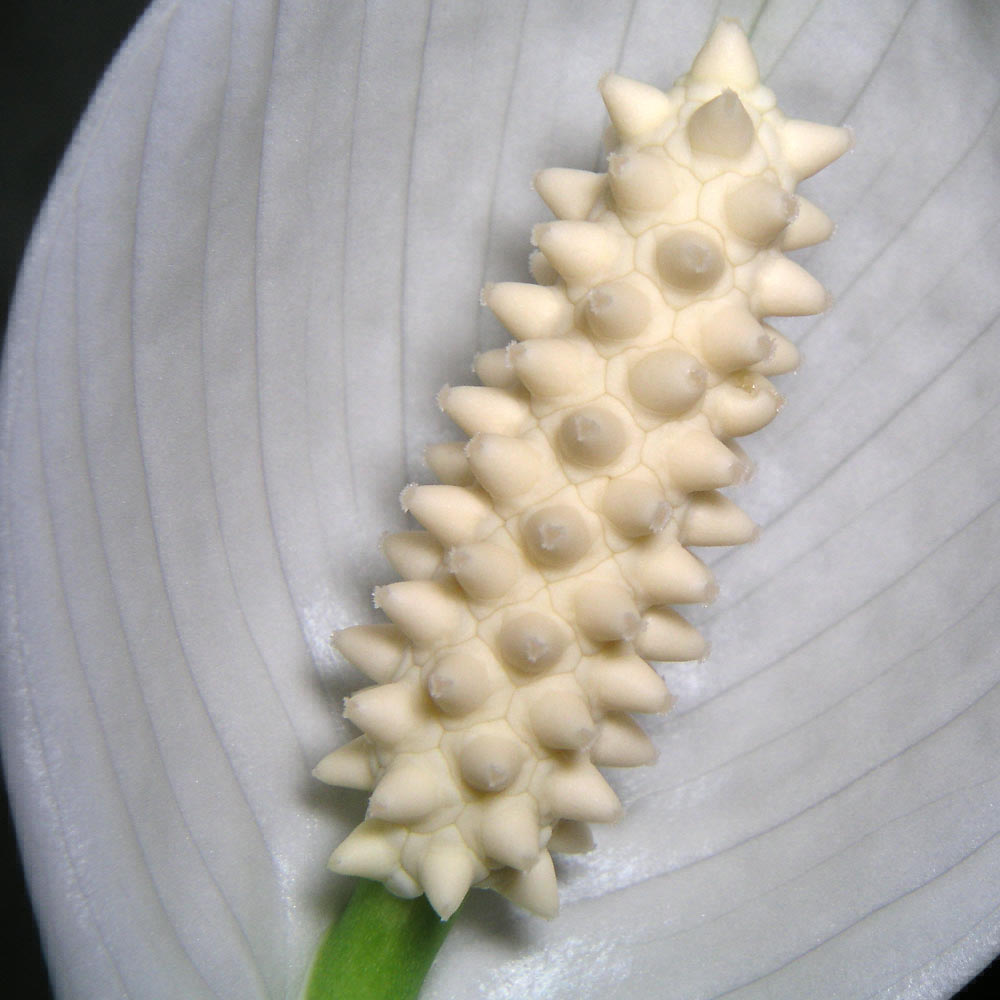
pixel 882 591
pixel 828 797
pixel 864 267
pixel 405 251
pixel 154 883
pixel 843 462
pixel 346 409
pixel 830 471
pixel 865 916
pixel 816 865
pixel 864 361
pixel 16 639
pixel 879 62
pixel 169 606
pixel 497 160
pixel 828 708
pixel 213 479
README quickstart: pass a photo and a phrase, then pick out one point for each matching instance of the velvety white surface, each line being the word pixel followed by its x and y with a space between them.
pixel 260 260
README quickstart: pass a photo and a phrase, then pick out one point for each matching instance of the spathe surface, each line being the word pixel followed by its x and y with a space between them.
pixel 196 476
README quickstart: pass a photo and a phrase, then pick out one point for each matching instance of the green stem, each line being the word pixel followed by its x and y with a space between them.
pixel 380 949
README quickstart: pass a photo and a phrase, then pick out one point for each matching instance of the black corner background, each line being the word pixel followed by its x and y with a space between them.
pixel 52 55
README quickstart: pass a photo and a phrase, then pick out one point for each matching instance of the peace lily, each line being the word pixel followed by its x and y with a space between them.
pixel 261 259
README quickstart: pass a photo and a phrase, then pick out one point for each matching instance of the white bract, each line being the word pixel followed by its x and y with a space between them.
pixel 259 262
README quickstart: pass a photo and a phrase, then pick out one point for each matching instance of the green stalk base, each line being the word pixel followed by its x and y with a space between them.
pixel 380 949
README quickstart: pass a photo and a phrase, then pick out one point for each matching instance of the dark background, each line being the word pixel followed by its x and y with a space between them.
pixel 52 55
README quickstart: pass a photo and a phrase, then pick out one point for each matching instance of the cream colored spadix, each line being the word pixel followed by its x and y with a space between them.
pixel 722 127
pixel 633 107
pixel 690 260
pixel 557 534
pixel 569 194
pixel 577 250
pixel 811 225
pixel 760 210
pixel 593 436
pixel 483 569
pixel 529 311
pixel 641 182
pixel 547 368
pixel 726 59
pixel 504 466
pixel 376 650
pixel 616 311
pixel 449 463
pixel 414 555
pixel 731 338
pixel 458 683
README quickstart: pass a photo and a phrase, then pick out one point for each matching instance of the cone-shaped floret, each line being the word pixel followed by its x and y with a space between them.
pixel 700 461
pixel 556 535
pixel 509 832
pixel 616 311
pixel 669 638
pixel 783 359
pixel 458 683
pixel 713 519
pixel 505 467
pixel 810 226
pixel 483 569
pixel 386 712
pixel 635 508
pixel 721 127
pixel 452 514
pixel 489 762
pixel 641 182
pixel 633 107
pixel 448 463
pixel 689 260
pixel 371 850
pixel 447 871
pixel 376 650
pixel 742 404
pixel 569 194
pixel 726 58
pixel 622 682
pixel 667 381
pixel 481 409
pixel 493 368
pixel 406 793
pixel 561 720
pixel 570 836
pixel 671 575
pixel 532 642
pixel 810 146
pixel 414 555
pixel 576 790
pixel 606 612
pixel 621 742
pixel 541 270
pixel 760 210
pixel 577 250
pixel 547 368
pixel 349 766
pixel 424 610
pixel 782 288
pixel 535 890
pixel 529 311
pixel 732 339
pixel 592 436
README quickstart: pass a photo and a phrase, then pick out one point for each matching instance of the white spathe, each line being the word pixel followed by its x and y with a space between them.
pixel 262 257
